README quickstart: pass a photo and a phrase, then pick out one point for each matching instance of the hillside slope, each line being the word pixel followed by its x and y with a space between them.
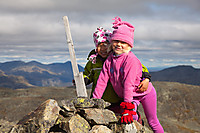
pixel 38 74
pixel 12 81
pixel 182 74
pixel 178 104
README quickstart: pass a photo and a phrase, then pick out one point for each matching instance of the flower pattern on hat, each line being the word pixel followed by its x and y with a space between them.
pixel 101 35
pixel 93 58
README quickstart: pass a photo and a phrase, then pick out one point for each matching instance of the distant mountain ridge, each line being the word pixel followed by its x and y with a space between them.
pixel 12 81
pixel 182 74
pixel 38 74
pixel 19 74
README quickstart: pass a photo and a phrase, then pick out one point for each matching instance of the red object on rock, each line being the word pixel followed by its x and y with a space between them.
pixel 128 112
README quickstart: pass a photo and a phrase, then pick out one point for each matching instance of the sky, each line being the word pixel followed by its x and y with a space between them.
pixel 167 32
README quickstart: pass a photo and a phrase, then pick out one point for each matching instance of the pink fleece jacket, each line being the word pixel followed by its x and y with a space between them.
pixel 124 72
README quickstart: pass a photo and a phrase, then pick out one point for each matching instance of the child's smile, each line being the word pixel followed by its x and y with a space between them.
pixel 102 49
pixel 120 47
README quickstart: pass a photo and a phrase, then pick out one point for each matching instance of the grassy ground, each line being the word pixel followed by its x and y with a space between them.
pixel 178 104
pixel 17 103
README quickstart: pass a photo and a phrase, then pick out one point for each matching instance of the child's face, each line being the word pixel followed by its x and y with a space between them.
pixel 120 47
pixel 102 49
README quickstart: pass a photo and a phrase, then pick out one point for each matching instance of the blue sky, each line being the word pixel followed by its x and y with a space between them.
pixel 167 33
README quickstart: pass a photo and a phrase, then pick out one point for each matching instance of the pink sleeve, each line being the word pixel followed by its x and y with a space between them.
pixel 132 76
pixel 101 82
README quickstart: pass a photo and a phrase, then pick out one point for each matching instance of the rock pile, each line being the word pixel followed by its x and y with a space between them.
pixel 5 125
pixel 78 115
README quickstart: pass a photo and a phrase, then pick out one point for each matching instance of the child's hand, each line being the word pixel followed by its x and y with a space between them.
pixel 128 112
pixel 143 85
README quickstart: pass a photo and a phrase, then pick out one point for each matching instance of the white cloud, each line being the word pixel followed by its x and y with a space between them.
pixel 166 31
pixel 168 60
pixel 152 60
pixel 192 60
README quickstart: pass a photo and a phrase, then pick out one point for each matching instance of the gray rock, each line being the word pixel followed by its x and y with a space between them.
pixel 68 105
pixel 75 115
pixel 134 127
pixel 100 103
pixel 98 116
pixel 83 102
pixel 100 129
pixel 5 126
pixel 40 120
pixel 74 124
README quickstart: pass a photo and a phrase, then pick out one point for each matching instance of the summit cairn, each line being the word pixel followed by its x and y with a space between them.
pixel 77 115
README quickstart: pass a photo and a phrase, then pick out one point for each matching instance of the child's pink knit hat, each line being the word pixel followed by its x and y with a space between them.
pixel 124 31
pixel 101 35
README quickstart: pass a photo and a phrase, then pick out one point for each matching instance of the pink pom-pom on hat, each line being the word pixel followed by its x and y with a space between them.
pixel 123 31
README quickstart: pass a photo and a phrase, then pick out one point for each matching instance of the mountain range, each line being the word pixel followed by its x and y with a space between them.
pixel 178 103
pixel 19 74
pixel 182 74
pixel 35 74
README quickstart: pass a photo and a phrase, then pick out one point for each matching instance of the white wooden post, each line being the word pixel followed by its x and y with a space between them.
pixel 78 76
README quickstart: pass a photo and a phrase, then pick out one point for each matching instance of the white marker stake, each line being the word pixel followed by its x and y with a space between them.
pixel 78 76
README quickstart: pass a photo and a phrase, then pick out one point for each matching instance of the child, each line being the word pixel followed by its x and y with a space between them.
pixel 124 70
pixel 94 65
pixel 93 68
